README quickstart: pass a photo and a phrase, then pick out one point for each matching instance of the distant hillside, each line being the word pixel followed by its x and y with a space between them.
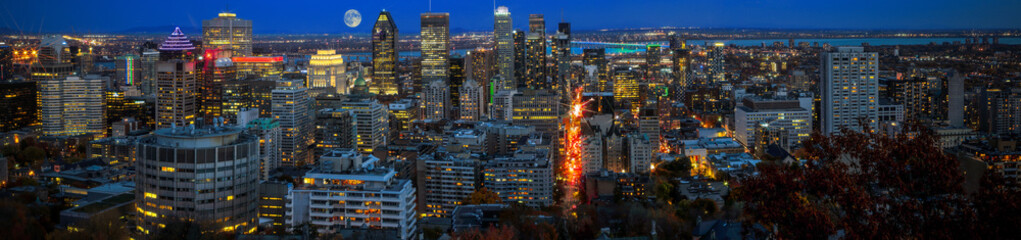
pixel 163 29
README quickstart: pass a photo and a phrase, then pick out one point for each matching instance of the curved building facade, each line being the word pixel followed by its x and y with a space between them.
pixel 206 176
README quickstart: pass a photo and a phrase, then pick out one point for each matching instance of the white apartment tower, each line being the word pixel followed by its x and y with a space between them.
pixel 849 88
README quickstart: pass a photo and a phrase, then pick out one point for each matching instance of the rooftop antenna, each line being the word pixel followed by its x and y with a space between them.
pixel 561 15
pixel 430 6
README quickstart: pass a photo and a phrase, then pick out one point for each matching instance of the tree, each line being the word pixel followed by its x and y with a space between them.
pixel 483 196
pixel 504 232
pixel 18 222
pixel 99 228
pixel 869 186
pixel 33 155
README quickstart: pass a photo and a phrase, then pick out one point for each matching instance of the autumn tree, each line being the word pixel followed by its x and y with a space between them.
pixel 867 186
pixel 483 196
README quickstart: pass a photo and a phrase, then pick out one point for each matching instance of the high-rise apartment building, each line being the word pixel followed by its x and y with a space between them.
pixel 436 100
pixel 384 55
pixel 372 124
pixel 73 106
pixel 229 33
pixel 449 180
pixel 472 101
pixel 716 65
pixel 435 46
pixel 208 176
pixel 326 74
pixel 291 107
pixel 849 90
pixel 526 177
pixel 334 129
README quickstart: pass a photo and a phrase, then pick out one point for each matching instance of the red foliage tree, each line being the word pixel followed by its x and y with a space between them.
pixel 871 186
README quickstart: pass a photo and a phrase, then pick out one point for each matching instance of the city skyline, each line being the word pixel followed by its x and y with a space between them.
pixel 37 17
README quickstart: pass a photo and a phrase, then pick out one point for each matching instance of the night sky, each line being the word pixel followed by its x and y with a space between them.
pixel 301 16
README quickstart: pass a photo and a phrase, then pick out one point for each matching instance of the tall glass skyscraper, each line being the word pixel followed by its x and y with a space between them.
pixel 227 32
pixel 435 46
pixel 384 55
pixel 503 34
pixel 535 62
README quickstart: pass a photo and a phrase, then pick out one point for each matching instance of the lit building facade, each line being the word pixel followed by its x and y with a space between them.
pixel 229 33
pixel 472 101
pixel 525 177
pixel 504 38
pixel 849 89
pixel 269 68
pixel 207 176
pixel 384 55
pixel 326 73
pixel 372 124
pixel 347 191
pixel 291 107
pixel 73 106
pixel 436 102
pixel 435 46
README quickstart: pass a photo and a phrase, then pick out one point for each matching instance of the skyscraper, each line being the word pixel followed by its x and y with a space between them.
pixel 597 57
pixel 481 65
pixel 562 52
pixel 176 82
pixel 504 37
pixel 384 55
pixel 207 176
pixel 217 69
pixel 147 82
pixel 291 103
pixel 326 73
pixel 73 106
pixel 625 89
pixel 457 76
pixel 652 59
pixel 520 58
pixel 435 46
pixel 716 64
pixel 849 90
pixel 227 32
pixel 128 70
pixel 535 59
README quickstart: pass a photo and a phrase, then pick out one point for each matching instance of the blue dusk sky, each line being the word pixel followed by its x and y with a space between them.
pixel 302 16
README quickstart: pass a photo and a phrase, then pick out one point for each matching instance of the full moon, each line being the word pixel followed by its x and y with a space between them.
pixel 352 18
